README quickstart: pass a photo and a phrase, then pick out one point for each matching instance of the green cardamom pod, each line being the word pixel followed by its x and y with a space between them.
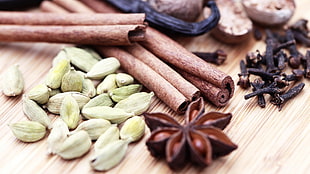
pixel 54 102
pixel 80 58
pixel 39 94
pixel 72 81
pixel 89 88
pixel 12 82
pixel 123 79
pixel 57 136
pixel 114 115
pixel 123 92
pixel 54 76
pixel 75 145
pixel 110 135
pixel 70 112
pixel 61 55
pixel 94 127
pixel 103 68
pixel 28 131
pixel 107 84
pixel 53 92
pixel 100 100
pixel 92 52
pixel 133 129
pixel 35 113
pixel 110 155
pixel 137 103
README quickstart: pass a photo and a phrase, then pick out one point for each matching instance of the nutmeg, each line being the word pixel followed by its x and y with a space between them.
pixel 269 12
pixel 234 25
pixel 182 9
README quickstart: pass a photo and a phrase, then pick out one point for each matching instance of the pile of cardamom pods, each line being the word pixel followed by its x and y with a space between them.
pixel 107 114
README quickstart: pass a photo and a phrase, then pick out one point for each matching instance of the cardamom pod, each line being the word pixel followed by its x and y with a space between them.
pixel 12 82
pixel 39 94
pixel 35 113
pixel 80 58
pixel 123 79
pixel 123 92
pixel 107 84
pixel 103 68
pixel 72 81
pixel 70 112
pixel 28 131
pixel 53 92
pixel 94 127
pixel 58 135
pixel 92 52
pixel 110 135
pixel 61 55
pixel 133 129
pixel 100 100
pixel 110 155
pixel 114 115
pixel 54 76
pixel 75 145
pixel 137 103
pixel 54 102
pixel 88 88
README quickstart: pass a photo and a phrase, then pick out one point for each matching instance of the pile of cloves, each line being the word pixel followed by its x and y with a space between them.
pixel 281 51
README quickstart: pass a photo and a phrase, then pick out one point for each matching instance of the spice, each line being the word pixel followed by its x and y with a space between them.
pixel 34 112
pixel 28 131
pixel 199 140
pixel 123 92
pixel 167 22
pixel 57 136
pixel 123 79
pixel 72 81
pixel 75 145
pixel 279 100
pixel 217 57
pixel 103 68
pixel 109 136
pixel 258 84
pixel 244 81
pixel 107 85
pixel 94 127
pixel 133 129
pixel 55 74
pixel 70 112
pixel 307 64
pixel 39 94
pixel 12 81
pixel 110 155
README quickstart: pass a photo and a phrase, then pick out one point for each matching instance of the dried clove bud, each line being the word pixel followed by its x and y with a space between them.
pixel 272 90
pixel 257 85
pixel 244 81
pixel 217 57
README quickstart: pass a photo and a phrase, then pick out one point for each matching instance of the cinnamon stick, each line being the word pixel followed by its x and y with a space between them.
pixel 81 8
pixel 185 87
pixel 94 35
pixel 219 97
pixel 26 18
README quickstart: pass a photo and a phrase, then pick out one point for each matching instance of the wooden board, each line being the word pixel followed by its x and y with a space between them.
pixel 269 141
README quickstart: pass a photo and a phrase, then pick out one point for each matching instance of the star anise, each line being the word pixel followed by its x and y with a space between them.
pixel 200 139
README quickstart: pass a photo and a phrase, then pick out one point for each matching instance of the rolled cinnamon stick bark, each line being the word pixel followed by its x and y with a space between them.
pixel 172 52
pixel 80 7
pixel 185 87
pixel 94 35
pixel 149 78
pixel 219 97
pixel 26 18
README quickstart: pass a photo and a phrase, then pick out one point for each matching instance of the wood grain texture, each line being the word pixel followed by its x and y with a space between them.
pixel 269 141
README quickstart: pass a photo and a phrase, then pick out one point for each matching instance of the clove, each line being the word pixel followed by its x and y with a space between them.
pixel 272 90
pixel 244 81
pixel 295 76
pixel 280 100
pixel 280 59
pixel 258 84
pixel 266 76
pixel 295 56
pixel 217 57
pixel 270 67
pixel 307 64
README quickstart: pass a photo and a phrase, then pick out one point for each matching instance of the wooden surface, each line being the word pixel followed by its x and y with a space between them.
pixel 269 141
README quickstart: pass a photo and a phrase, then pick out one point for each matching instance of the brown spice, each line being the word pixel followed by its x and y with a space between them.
pixel 94 35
